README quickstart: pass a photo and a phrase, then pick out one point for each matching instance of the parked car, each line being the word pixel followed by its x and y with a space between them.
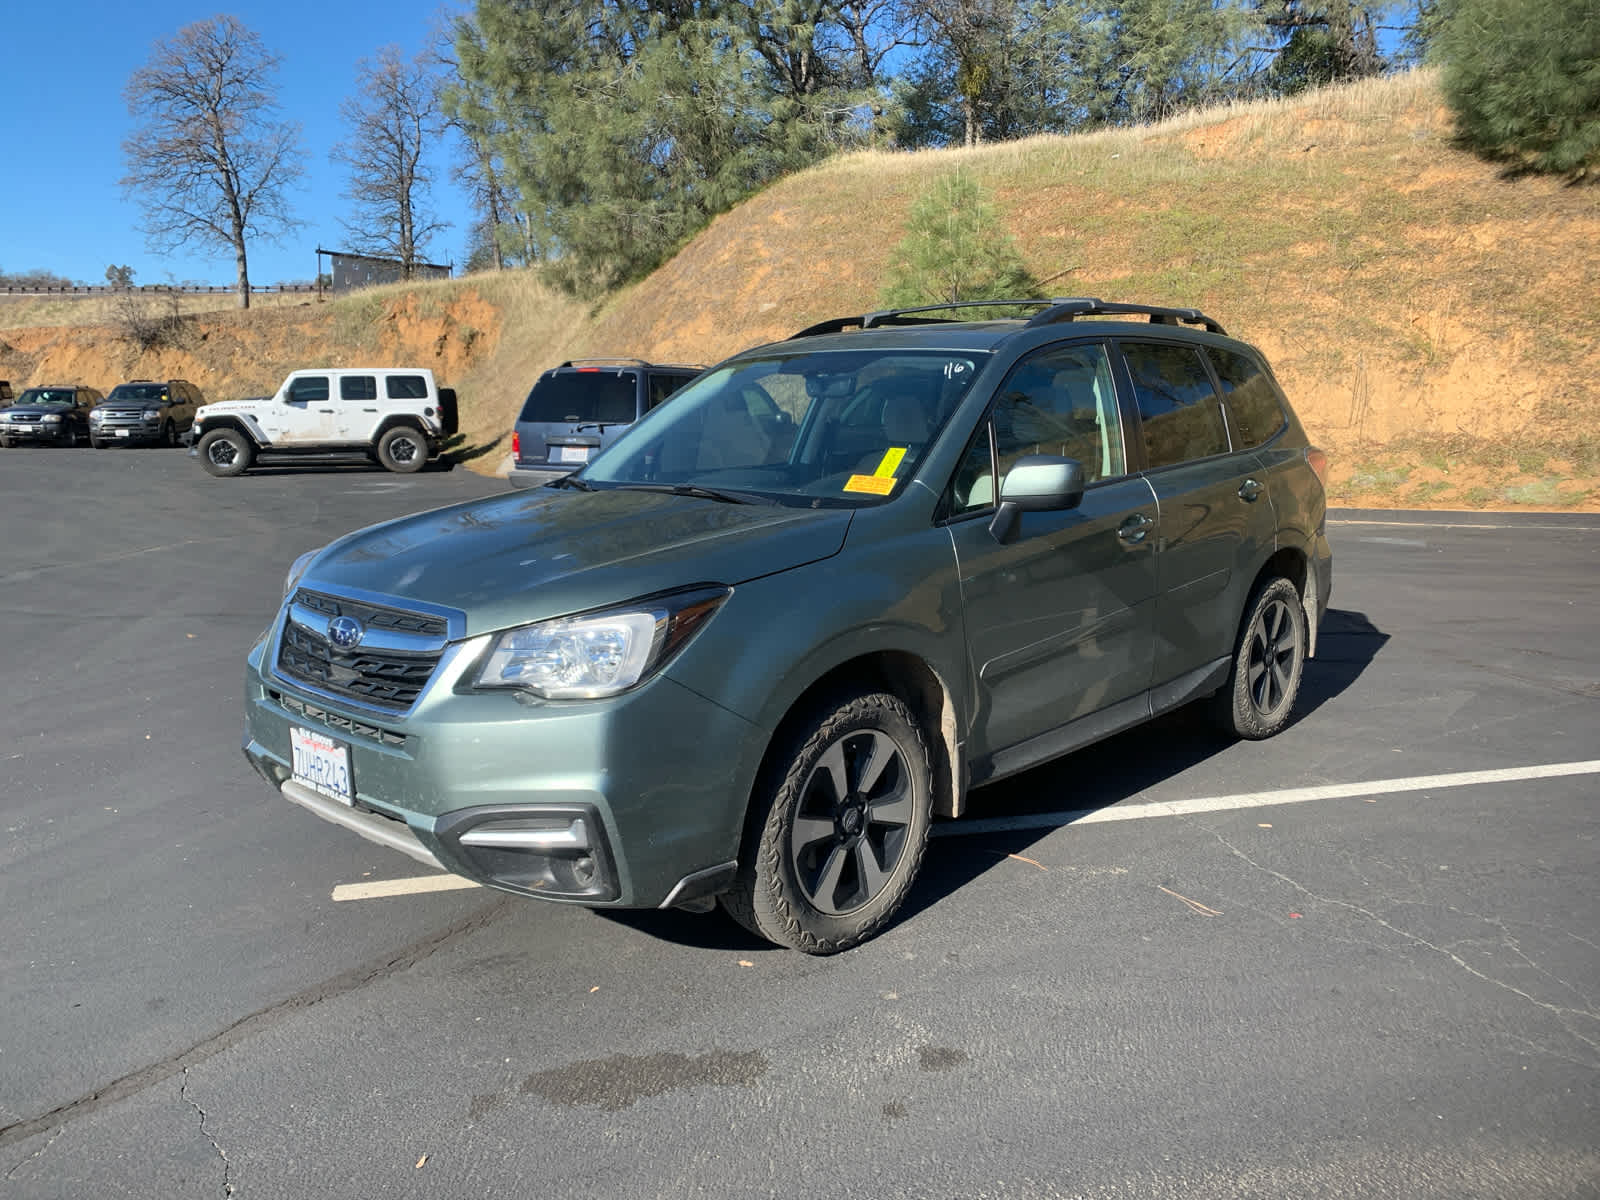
pixel 577 409
pixel 145 411
pixel 397 416
pixel 57 415
pixel 750 658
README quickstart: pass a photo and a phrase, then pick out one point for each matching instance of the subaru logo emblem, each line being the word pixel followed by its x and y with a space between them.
pixel 345 632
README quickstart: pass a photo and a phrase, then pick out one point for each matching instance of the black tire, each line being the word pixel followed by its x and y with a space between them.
pixel 98 443
pixel 1268 662
pixel 169 435
pixel 403 449
pixel 5 443
pixel 820 872
pixel 226 453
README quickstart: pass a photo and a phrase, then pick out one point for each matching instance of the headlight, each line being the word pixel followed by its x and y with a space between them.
pixel 297 569
pixel 598 654
pixel 52 418
pixel 95 414
pixel 150 414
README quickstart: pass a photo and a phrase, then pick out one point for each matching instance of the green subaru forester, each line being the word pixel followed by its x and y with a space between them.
pixel 757 645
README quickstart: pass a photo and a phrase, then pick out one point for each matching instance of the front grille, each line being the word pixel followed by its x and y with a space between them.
pixel 25 418
pixel 388 679
pixel 373 616
pixel 350 725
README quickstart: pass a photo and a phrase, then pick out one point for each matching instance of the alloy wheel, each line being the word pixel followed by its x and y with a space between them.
pixel 1274 651
pixel 853 821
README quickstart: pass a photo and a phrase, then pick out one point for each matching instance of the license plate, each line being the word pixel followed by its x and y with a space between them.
pixel 571 454
pixel 122 433
pixel 321 763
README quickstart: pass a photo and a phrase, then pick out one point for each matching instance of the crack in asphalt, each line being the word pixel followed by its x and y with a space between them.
pixel 1560 1012
pixel 246 1027
pixel 59 1131
pixel 227 1167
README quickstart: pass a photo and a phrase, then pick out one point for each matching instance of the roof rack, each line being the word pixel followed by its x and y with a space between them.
pixel 627 362
pixel 1062 308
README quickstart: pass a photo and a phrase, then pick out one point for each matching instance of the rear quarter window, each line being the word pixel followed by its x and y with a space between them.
pixel 1251 398
pixel 406 387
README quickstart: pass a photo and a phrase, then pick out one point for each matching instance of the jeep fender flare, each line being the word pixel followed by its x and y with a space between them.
pixel 244 424
pixel 415 420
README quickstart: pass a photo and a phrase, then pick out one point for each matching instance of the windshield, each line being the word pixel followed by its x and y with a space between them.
pixel 46 396
pixel 825 427
pixel 589 394
pixel 138 391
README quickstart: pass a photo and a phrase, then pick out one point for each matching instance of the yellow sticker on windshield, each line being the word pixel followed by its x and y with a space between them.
pixel 891 462
pixel 877 485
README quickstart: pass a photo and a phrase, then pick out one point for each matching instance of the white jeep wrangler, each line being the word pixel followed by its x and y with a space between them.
pixel 395 415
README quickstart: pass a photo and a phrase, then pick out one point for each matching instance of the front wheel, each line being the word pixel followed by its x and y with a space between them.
pixel 226 453
pixel 1267 664
pixel 840 829
pixel 169 435
pixel 403 449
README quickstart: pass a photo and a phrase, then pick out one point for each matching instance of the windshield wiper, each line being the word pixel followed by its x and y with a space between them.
pixel 689 489
pixel 572 481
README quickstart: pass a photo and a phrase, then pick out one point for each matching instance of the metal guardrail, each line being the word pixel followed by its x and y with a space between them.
pixel 154 289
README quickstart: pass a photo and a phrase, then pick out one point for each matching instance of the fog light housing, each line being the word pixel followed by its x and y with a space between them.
pixel 558 852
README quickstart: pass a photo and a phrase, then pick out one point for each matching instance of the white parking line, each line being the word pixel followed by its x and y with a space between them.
pixel 1464 525
pixel 1205 804
pixel 382 888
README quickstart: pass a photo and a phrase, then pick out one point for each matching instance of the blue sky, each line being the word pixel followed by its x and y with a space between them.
pixel 63 120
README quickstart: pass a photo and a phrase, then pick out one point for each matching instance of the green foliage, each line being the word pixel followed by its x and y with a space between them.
pixel 956 248
pixel 119 277
pixel 1523 77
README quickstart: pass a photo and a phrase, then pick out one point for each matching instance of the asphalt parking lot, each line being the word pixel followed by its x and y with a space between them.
pixel 1360 959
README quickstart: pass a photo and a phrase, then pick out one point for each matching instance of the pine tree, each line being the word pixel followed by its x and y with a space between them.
pixel 956 248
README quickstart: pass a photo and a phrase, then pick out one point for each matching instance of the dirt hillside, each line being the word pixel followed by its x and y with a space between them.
pixel 1436 324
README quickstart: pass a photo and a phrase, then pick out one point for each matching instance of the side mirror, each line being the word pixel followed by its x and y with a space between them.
pixel 1036 483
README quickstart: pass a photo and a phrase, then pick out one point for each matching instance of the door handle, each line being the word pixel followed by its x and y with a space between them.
pixel 369 410
pixel 1249 490
pixel 1134 529
pixel 328 410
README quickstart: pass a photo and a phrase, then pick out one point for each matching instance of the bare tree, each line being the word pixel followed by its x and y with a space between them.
pixel 209 161
pixel 393 119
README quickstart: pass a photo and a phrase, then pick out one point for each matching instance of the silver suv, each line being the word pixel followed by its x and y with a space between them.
pixel 579 408
pixel 755 647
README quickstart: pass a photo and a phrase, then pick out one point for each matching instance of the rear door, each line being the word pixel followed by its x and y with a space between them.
pixel 358 407
pixel 1216 526
pixel 1058 618
pixel 569 411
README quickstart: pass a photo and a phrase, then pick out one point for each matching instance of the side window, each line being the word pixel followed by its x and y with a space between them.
pixel 309 389
pixel 1251 398
pixel 662 386
pixel 358 387
pixel 1059 401
pixel 405 387
pixel 1178 407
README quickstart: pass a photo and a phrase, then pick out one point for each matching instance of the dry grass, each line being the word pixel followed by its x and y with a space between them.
pixel 24 312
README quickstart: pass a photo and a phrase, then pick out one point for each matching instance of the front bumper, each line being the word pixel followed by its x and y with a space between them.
pixel 133 433
pixel 37 432
pixel 635 801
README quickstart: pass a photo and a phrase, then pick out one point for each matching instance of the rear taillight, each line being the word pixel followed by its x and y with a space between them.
pixel 1319 463
pixel 516 444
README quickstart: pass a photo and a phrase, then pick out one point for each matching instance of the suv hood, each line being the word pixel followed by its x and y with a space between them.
pixel 550 552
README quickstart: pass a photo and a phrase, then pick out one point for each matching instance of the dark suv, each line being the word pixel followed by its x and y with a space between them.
pixel 145 411
pixel 577 409
pixel 57 414
pixel 756 646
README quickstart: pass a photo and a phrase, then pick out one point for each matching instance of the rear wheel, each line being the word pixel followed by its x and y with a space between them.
pixel 226 453
pixel 840 830
pixel 403 449
pixel 1268 663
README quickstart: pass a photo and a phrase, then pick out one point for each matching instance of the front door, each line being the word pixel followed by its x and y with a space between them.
pixel 304 415
pixel 1058 618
